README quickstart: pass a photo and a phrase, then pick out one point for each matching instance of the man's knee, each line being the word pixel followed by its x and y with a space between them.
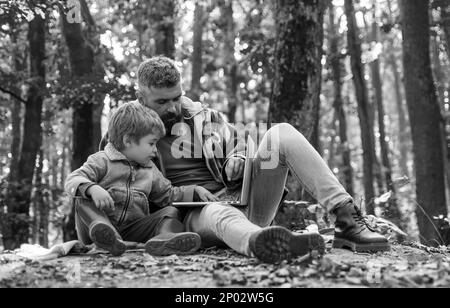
pixel 219 211
pixel 287 134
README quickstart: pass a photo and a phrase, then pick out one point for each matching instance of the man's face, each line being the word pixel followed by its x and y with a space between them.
pixel 166 102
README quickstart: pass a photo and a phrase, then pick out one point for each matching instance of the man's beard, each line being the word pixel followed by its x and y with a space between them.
pixel 169 120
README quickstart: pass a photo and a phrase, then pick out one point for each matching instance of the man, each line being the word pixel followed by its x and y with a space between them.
pixel 248 231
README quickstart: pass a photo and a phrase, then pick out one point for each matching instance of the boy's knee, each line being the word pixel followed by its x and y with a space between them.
pixel 172 212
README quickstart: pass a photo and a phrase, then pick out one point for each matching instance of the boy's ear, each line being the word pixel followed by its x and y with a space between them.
pixel 126 139
pixel 139 96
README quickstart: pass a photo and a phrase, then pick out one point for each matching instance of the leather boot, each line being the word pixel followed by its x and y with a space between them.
pixel 353 232
pixel 277 244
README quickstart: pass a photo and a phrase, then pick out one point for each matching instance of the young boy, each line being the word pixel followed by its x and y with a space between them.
pixel 120 195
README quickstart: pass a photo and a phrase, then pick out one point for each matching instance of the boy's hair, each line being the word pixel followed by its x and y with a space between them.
pixel 136 121
pixel 158 72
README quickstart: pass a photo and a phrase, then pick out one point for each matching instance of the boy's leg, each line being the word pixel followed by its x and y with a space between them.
pixel 163 233
pixel 93 225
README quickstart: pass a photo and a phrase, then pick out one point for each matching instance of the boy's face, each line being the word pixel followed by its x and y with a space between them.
pixel 143 151
pixel 166 102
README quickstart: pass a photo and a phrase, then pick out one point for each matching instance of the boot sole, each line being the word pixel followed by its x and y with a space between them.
pixel 105 238
pixel 180 244
pixel 277 244
pixel 374 247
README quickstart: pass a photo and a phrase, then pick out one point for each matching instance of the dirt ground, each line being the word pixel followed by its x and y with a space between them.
pixel 407 265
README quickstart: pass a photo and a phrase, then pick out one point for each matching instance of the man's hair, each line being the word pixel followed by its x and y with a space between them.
pixel 158 72
pixel 136 121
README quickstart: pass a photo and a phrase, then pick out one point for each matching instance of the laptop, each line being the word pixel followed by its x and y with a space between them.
pixel 246 183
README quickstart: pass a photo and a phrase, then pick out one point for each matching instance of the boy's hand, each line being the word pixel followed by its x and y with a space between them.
pixel 204 194
pixel 101 198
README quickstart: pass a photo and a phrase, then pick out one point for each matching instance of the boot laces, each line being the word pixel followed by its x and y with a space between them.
pixel 361 220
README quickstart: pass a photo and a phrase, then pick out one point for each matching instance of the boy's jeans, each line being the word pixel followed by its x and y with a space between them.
pixel 283 148
pixel 140 230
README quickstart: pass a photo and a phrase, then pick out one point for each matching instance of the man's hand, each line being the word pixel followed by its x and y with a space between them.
pixel 101 198
pixel 204 194
pixel 235 168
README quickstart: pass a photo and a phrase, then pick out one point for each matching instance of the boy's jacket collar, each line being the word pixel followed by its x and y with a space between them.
pixel 115 155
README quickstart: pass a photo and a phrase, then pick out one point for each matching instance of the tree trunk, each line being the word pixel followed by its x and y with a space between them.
pixel 298 54
pixel 445 23
pixel 81 56
pixel 372 113
pixel 336 67
pixel 164 29
pixel 196 60
pixel 298 68
pixel 391 211
pixel 402 120
pixel 366 124
pixel 41 210
pixel 230 64
pixel 16 121
pixel 16 223
pixel 441 78
pixel 425 118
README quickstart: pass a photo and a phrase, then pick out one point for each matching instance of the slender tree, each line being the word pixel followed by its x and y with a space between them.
pixel 354 47
pixel 403 121
pixel 162 18
pixel 84 70
pixel 16 225
pixel 338 104
pixel 230 63
pixel 391 210
pixel 196 59
pixel 425 117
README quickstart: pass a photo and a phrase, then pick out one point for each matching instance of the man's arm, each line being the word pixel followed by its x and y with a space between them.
pixel 234 148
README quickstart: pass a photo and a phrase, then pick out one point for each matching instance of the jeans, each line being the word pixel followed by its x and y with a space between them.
pixel 139 230
pixel 282 148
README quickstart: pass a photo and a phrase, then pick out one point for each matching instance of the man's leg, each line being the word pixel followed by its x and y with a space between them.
pixel 217 224
pixel 283 148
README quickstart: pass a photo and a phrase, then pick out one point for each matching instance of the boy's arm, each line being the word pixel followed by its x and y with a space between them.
pixel 92 171
pixel 163 193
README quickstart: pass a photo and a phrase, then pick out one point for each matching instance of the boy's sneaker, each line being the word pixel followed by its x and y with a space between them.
pixel 167 244
pixel 105 237
pixel 277 244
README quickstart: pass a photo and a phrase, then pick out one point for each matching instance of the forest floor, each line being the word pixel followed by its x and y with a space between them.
pixel 407 265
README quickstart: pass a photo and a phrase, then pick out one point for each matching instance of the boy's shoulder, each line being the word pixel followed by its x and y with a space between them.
pixel 99 157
